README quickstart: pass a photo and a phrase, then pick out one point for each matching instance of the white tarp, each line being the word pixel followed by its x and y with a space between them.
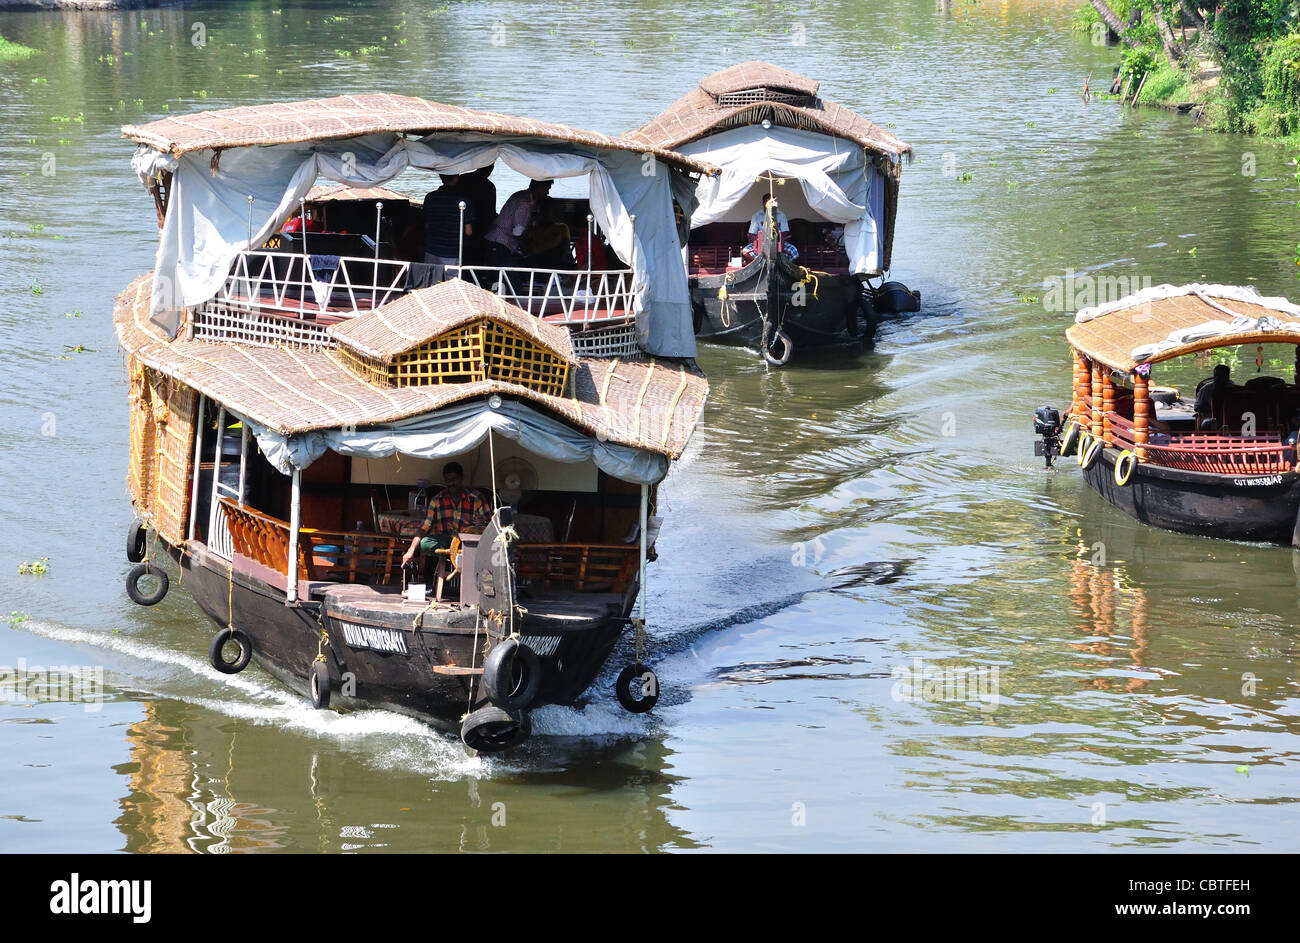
pixel 208 214
pixel 836 179
pixel 456 430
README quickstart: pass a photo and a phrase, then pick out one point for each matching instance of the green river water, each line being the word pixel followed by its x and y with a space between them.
pixel 831 523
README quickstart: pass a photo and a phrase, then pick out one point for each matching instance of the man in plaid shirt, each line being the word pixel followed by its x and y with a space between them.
pixel 454 510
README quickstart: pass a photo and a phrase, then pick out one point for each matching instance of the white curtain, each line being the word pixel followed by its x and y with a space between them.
pixel 208 216
pixel 457 429
pixel 836 178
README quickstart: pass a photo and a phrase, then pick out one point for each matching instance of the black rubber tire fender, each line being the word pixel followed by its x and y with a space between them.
pixel 512 675
pixel 491 729
pixel 136 542
pixel 138 596
pixel 634 675
pixel 787 348
pixel 320 685
pixel 216 651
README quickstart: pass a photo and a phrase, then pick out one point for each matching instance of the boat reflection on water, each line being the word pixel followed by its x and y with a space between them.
pixel 204 783
pixel 1129 596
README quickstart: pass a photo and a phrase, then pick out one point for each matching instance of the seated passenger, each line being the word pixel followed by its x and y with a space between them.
pixel 1210 395
pixel 512 222
pixel 313 224
pixel 442 234
pixel 455 510
pixel 756 224
pixel 546 243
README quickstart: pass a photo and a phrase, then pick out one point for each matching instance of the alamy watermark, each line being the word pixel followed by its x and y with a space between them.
pixel 1074 292
pixel 921 682
pixel 71 684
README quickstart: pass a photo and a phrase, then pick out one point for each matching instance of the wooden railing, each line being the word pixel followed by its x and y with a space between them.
pixel 591 568
pixel 261 538
pixel 335 556
pixel 376 559
pixel 1216 452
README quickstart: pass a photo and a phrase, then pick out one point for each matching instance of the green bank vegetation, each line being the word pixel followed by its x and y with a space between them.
pixel 1238 62
pixel 12 52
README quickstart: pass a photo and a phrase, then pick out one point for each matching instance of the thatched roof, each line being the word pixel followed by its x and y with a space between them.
pixel 750 92
pixel 421 315
pixel 652 406
pixel 352 115
pixel 1165 321
pixel 341 193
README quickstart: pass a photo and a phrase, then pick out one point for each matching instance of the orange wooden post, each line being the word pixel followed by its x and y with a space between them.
pixel 1107 406
pixel 1096 400
pixel 1141 416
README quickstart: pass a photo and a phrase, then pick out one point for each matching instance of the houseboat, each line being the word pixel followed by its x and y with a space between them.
pixel 785 242
pixel 1185 410
pixel 300 393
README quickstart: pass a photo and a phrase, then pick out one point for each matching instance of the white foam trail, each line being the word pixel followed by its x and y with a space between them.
pixel 416 746
pixel 143 651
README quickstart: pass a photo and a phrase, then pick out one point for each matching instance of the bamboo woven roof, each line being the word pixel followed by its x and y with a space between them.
pixel 341 193
pixel 1164 322
pixel 652 406
pixel 750 92
pixel 427 313
pixel 352 115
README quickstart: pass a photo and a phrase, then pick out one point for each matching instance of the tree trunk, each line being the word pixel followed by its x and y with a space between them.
pixel 1110 19
pixel 1193 14
pixel 1173 52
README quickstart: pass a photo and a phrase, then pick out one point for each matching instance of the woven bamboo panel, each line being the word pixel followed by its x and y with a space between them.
pixel 455 357
pixel 175 451
pixel 142 464
pixel 1112 338
pixel 511 357
pixel 702 110
pixel 483 350
pixel 349 116
pixel 653 406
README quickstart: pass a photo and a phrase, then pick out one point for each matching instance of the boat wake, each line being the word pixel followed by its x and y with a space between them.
pixel 387 740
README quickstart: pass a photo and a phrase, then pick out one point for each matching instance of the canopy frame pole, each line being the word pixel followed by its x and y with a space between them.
pixel 591 224
pixel 216 473
pixel 243 459
pixel 295 521
pixel 1107 405
pixel 1096 400
pixel 374 281
pixel 198 458
pixel 1141 416
pixel 306 259
pixel 460 240
pixel 645 510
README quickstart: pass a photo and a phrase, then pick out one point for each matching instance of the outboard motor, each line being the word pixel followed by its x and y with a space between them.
pixel 896 298
pixel 1047 423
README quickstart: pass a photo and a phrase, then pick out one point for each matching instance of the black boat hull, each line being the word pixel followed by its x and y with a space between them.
pixel 379 657
pixel 834 309
pixel 1252 507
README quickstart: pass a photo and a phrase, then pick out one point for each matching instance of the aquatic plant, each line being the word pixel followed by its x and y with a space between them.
pixel 39 568
pixel 16 617
pixel 12 52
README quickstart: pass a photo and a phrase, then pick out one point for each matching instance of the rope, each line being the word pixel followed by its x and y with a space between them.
pixel 230 597
pixel 473 662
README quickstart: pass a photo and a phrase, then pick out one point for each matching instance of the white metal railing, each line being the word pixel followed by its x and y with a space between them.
pixel 219 541
pixel 283 281
pixel 581 297
pixel 242 322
